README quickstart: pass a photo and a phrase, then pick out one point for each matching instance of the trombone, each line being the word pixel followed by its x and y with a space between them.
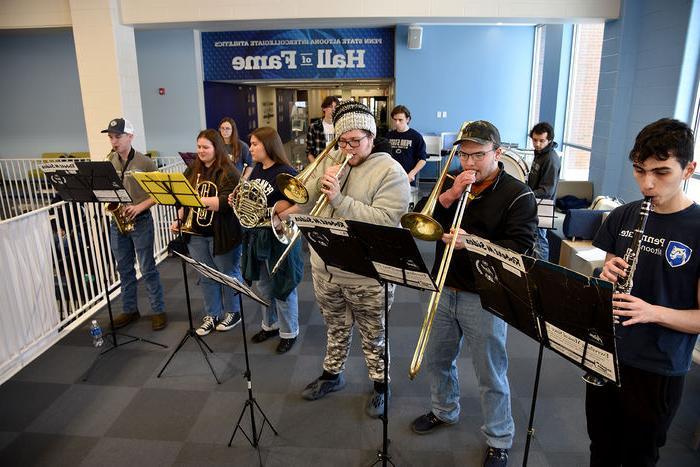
pixel 421 224
pixel 320 205
pixel 293 186
pixel 424 227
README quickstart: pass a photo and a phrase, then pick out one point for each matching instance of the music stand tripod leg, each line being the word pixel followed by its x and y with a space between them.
pixel 113 333
pixel 190 332
pixel 530 429
pixel 250 402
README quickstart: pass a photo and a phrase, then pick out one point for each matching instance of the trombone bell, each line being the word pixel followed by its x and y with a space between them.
pixel 422 226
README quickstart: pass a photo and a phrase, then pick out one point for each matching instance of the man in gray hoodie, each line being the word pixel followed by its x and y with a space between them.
pixel 373 188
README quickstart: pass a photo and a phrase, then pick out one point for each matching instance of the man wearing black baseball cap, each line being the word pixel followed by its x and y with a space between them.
pixel 504 210
pixel 138 243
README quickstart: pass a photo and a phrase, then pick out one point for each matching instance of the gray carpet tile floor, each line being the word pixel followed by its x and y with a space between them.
pixel 125 415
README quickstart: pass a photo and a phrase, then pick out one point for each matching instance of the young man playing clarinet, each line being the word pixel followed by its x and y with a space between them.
pixel 659 319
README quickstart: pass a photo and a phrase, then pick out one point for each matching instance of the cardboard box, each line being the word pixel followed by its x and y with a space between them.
pixel 581 256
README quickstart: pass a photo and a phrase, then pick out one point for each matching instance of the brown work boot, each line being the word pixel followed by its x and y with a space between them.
pixel 123 319
pixel 159 321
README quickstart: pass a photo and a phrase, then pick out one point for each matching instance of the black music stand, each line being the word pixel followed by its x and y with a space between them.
pixel 251 403
pixel 93 182
pixel 387 254
pixel 567 312
pixel 173 189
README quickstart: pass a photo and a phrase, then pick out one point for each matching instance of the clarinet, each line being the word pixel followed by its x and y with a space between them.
pixel 624 284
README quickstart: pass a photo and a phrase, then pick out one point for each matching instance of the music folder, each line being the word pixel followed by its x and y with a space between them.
pixel 569 313
pixel 87 182
pixel 384 253
pixel 169 188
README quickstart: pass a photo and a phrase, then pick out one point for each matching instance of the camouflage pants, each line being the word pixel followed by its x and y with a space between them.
pixel 342 306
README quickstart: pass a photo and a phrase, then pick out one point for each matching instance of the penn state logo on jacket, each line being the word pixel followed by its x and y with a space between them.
pixel 677 254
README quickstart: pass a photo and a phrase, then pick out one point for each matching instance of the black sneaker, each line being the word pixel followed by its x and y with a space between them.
pixel 320 387
pixel 427 423
pixel 496 457
pixel 264 335
pixel 229 321
pixel 285 344
pixel 206 327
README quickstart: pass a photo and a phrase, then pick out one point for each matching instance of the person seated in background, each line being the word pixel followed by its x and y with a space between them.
pixel 321 131
pixel 660 318
pixel 216 241
pixel 544 175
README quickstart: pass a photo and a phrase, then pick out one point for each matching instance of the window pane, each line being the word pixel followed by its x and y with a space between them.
pixel 581 103
pixel 693 189
pixel 575 163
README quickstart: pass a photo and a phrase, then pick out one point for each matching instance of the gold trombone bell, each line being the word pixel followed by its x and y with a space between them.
pixel 293 186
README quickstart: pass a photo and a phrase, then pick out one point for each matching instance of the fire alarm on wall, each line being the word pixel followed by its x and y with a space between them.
pixel 161 91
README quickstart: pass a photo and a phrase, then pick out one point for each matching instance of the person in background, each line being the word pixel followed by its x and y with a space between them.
pixel 660 317
pixel 139 243
pixel 407 146
pixel 261 249
pixel 237 150
pixel 544 175
pixel 217 245
pixel 321 131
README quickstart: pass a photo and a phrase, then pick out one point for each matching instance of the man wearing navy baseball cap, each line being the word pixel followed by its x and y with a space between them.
pixel 138 244
pixel 503 210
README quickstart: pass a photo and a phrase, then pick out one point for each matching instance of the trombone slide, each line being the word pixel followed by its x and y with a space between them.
pixel 427 326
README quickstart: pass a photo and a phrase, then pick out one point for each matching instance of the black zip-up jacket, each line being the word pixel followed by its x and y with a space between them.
pixel 544 173
pixel 504 213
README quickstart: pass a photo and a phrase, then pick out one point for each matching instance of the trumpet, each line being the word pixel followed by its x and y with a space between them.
pixel 201 216
pixel 423 226
pixel 315 211
pixel 125 225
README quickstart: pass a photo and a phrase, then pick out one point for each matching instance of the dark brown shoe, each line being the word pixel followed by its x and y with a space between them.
pixel 123 319
pixel 159 321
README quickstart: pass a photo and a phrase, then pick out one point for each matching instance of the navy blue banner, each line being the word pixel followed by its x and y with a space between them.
pixel 299 54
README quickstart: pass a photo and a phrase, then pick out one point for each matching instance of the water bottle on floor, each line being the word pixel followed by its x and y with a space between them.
pixel 96 333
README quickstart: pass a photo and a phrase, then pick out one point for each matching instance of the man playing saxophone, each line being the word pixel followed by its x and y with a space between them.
pixel 373 188
pixel 504 210
pixel 660 318
pixel 139 243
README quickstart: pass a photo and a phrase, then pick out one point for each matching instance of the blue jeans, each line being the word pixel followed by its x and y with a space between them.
pixel 459 316
pixel 126 249
pixel 281 314
pixel 542 245
pixel 218 298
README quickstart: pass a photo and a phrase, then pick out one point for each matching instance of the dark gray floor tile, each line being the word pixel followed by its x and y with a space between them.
pixel 46 449
pixel 126 366
pixel 189 369
pixel 23 401
pixel 198 454
pixel 63 364
pixel 269 373
pixel 288 456
pixel 121 452
pixel 159 414
pixel 573 459
pixel 84 410
pixel 6 437
pixel 560 423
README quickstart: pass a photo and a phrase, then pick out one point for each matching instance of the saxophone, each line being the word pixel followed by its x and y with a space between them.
pixel 624 284
pixel 124 224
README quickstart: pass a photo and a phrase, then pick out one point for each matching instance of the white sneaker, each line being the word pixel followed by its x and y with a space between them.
pixel 206 327
pixel 229 321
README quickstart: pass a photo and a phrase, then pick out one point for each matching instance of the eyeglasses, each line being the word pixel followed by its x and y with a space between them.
pixel 353 143
pixel 477 156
